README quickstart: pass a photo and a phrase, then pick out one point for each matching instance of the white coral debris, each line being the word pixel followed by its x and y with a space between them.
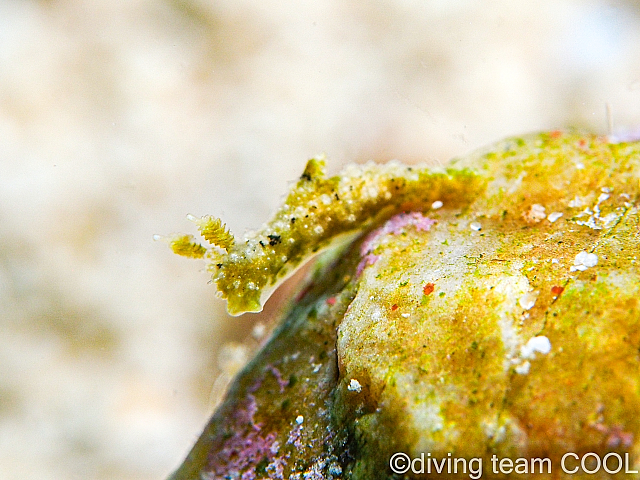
pixel 528 300
pixel 354 386
pixel 523 368
pixel 535 214
pixel 554 216
pixel 539 344
pixel 583 261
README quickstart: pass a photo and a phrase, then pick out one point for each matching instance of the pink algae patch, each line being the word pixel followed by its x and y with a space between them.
pixel 276 373
pixel 367 260
pixel 245 447
pixel 393 226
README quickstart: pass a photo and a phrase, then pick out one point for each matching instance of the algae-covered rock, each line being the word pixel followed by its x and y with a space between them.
pixel 482 318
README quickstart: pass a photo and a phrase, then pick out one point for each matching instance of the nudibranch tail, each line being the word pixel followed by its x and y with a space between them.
pixel 317 213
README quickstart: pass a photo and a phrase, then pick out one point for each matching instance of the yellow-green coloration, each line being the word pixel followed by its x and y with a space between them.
pixel 318 212
pixel 525 344
pixel 186 246
pixel 456 374
pixel 214 231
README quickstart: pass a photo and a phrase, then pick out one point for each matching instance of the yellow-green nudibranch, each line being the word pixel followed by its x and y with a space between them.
pixel 318 212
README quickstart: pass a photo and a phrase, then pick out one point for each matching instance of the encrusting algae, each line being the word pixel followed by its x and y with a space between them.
pixel 484 311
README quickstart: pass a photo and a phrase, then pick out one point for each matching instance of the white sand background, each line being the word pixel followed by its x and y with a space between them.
pixel 117 118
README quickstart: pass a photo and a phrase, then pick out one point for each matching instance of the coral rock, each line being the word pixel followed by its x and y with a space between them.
pixel 489 310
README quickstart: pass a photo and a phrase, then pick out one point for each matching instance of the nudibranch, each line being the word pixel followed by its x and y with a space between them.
pixel 318 212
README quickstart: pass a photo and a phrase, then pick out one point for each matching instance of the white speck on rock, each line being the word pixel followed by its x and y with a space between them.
pixel 583 261
pixel 354 386
pixel 554 216
pixel 523 368
pixel 539 344
pixel 437 204
pixel 376 315
pixel 609 220
pixel 535 214
pixel 528 300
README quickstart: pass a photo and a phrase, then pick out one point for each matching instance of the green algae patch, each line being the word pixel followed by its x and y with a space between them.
pixel 491 308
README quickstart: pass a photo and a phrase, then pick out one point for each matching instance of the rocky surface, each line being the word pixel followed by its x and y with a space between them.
pixel 500 321
pixel 119 118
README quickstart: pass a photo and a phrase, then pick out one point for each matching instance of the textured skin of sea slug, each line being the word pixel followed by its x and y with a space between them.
pixel 488 310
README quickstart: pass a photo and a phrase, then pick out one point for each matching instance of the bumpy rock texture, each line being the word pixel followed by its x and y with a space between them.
pixel 489 308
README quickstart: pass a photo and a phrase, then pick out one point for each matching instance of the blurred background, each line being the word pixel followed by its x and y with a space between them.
pixel 117 118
